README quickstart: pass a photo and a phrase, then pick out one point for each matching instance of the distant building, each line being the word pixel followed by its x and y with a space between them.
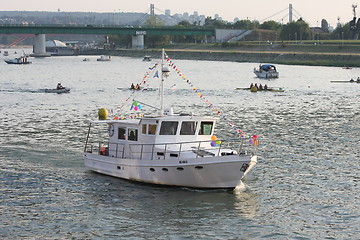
pixel 58 48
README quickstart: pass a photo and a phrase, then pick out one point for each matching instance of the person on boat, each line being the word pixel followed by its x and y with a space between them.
pixel 265 87
pixel 132 86
pixel 351 80
pixel 137 87
pixel 358 79
pixel 59 86
pixel 256 85
pixel 251 85
pixel 261 87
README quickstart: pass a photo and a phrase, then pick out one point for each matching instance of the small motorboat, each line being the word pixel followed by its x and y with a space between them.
pixel 54 90
pixel 104 58
pixel 147 59
pixel 19 60
pixel 266 71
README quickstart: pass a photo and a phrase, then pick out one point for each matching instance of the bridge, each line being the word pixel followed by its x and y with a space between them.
pixel 137 32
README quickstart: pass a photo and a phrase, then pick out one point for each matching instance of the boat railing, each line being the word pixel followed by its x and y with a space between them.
pixel 162 151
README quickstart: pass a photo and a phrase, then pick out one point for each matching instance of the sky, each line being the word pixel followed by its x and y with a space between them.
pixel 312 11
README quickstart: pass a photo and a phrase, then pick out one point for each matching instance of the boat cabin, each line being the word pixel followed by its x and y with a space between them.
pixel 162 129
pixel 140 138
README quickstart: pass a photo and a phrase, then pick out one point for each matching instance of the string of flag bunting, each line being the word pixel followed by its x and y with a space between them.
pixel 205 100
pixel 253 140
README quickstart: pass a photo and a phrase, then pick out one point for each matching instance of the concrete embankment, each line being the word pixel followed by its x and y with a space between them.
pixel 279 57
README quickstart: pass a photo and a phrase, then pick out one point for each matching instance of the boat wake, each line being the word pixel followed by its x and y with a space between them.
pixel 20 90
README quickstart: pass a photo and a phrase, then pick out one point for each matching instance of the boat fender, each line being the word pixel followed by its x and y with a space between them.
pixel 103 113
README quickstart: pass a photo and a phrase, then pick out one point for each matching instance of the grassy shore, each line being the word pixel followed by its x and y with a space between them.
pixel 315 53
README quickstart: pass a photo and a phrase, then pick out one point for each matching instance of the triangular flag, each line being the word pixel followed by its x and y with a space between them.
pixel 156 75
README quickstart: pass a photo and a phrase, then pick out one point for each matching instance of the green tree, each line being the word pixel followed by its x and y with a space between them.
pixel 209 22
pixel 270 25
pixel 246 24
pixel 298 30
pixel 324 25
pixel 121 40
pixel 341 32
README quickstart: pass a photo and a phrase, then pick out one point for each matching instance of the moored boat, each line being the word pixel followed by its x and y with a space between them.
pixel 266 71
pixel 170 149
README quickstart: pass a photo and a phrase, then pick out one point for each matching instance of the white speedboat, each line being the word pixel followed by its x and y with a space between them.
pixel 104 58
pixel 168 149
pixel 147 59
pixel 266 71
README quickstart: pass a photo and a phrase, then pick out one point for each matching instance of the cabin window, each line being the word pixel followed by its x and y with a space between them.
pixel 188 128
pixel 152 129
pixel 132 134
pixel 121 133
pixel 206 128
pixel 168 128
pixel 149 129
pixel 143 129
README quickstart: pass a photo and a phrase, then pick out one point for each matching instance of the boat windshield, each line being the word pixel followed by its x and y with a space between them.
pixel 188 128
pixel 168 128
pixel 206 128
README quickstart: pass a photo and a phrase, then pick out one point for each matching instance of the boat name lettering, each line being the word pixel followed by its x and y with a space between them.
pixel 183 162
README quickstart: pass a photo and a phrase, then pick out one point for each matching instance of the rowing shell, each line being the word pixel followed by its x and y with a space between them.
pixel 268 90
pixel 345 81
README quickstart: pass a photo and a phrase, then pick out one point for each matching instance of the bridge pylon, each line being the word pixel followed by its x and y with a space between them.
pixel 39 46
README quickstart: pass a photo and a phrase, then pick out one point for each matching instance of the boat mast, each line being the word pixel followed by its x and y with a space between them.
pixel 162 83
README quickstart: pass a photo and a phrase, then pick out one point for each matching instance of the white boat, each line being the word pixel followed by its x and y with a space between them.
pixel 266 71
pixel 147 58
pixel 54 90
pixel 19 60
pixel 104 58
pixel 168 149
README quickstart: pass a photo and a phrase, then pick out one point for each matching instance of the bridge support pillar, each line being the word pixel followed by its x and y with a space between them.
pixel 137 42
pixel 39 46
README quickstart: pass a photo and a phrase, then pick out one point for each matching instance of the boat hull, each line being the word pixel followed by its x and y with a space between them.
pixel 265 90
pixel 17 63
pixel 65 90
pixel 261 74
pixel 213 172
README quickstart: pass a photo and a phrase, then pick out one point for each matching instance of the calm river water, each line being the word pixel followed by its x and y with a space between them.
pixel 305 186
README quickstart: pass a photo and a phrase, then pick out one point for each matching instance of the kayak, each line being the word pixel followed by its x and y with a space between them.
pixel 265 90
pixel 142 89
pixel 65 90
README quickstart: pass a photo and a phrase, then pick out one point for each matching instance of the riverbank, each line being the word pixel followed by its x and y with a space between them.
pixel 295 54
